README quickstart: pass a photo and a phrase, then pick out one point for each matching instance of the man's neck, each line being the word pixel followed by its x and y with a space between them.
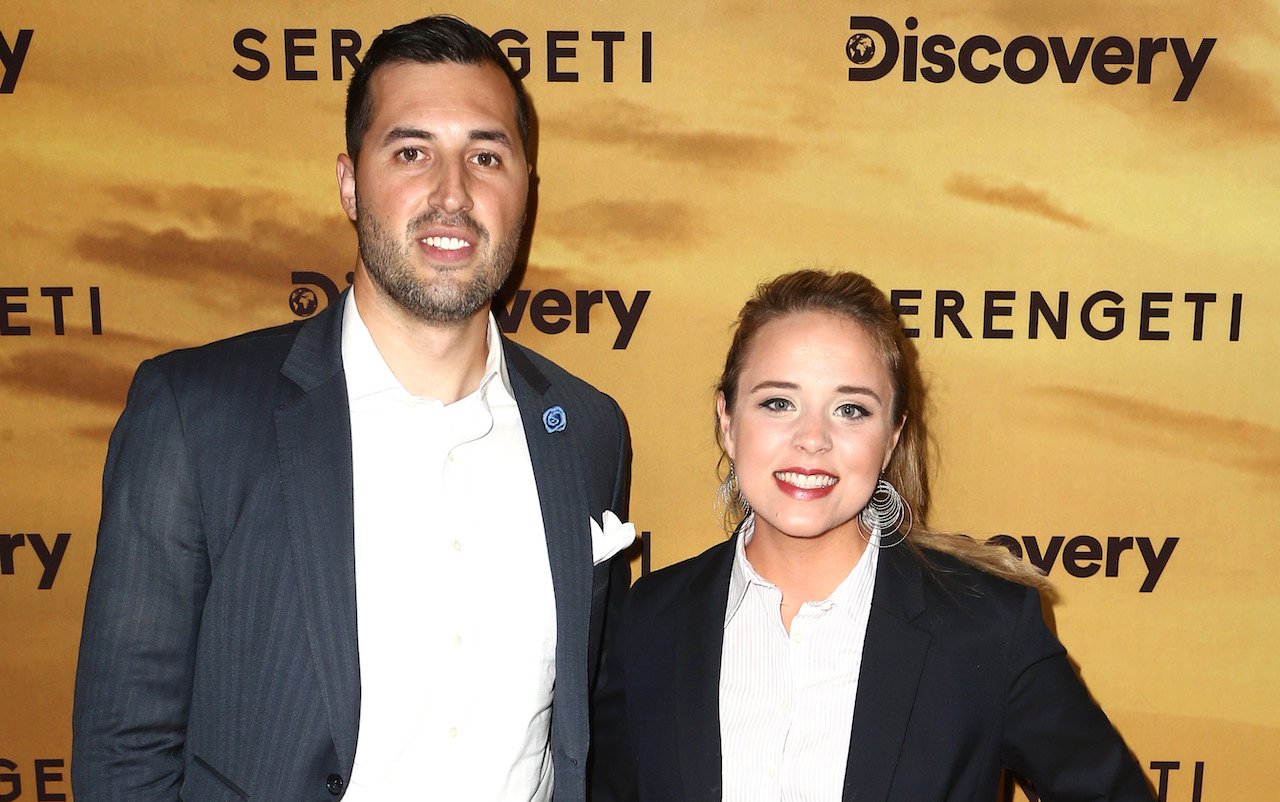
pixel 444 362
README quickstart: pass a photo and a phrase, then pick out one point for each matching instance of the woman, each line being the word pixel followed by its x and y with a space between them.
pixel 834 648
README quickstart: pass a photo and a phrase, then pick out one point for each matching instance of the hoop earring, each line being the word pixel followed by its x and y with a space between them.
pixel 886 511
pixel 729 489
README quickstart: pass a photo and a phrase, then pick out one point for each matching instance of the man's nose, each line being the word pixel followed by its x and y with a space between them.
pixel 451 192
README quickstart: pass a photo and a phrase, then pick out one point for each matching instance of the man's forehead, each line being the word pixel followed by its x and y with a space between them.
pixel 475 88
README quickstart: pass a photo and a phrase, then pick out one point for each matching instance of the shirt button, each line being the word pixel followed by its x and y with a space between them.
pixel 457 640
pixel 457 545
pixel 334 783
pixel 450 457
pixel 773 773
pixel 798 638
pixel 453 732
pixel 786 704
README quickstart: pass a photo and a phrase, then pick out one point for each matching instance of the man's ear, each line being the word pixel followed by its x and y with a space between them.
pixel 726 429
pixel 347 185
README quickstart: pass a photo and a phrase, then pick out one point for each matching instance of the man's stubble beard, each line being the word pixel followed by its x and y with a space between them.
pixel 391 267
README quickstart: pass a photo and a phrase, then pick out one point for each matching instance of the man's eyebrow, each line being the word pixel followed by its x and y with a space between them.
pixel 406 133
pixel 475 135
pixel 490 135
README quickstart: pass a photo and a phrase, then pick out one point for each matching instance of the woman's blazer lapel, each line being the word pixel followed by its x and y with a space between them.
pixel 893 658
pixel 699 638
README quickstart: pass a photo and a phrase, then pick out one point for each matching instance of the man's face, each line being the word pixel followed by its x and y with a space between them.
pixel 440 192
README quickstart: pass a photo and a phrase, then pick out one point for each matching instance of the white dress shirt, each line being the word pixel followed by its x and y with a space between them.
pixel 454 603
pixel 786 700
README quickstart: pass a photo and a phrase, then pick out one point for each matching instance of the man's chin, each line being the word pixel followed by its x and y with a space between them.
pixel 445 308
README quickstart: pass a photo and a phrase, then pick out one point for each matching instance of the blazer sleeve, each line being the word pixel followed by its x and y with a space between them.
pixel 620 566
pixel 622 471
pixel 142 613
pixel 1055 735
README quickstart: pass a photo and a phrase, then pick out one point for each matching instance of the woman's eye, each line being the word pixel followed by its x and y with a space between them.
pixel 776 404
pixel 851 410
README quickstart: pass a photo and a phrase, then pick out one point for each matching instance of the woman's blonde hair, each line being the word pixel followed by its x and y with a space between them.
pixel 854 297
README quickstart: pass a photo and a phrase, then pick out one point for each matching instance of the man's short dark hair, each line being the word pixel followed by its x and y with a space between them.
pixel 430 40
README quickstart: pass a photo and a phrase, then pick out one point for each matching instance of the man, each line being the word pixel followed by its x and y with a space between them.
pixel 353 556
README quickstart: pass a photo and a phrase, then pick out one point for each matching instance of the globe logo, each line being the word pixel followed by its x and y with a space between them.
pixel 303 301
pixel 861 48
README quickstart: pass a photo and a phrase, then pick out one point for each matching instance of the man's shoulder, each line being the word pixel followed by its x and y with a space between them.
pixel 542 372
pixel 270 344
pixel 242 365
pixel 557 386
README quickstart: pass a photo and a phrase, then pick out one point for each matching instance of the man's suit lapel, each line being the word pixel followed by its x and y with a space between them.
pixel 892 660
pixel 562 492
pixel 699 637
pixel 313 437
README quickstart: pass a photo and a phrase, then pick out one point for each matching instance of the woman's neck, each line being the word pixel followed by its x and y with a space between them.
pixel 805 569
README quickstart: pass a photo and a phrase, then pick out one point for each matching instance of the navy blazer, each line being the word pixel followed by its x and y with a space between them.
pixel 960 677
pixel 218 659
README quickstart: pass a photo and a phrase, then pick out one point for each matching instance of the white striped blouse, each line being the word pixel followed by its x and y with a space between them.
pixel 786 701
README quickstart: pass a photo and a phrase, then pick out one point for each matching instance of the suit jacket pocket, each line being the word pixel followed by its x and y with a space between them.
pixel 204 783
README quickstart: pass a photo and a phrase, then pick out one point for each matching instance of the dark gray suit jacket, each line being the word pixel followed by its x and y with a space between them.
pixel 959 678
pixel 218 659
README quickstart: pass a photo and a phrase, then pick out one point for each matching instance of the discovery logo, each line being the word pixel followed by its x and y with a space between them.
pixel 1024 59
pixel 12 57
pixel 550 310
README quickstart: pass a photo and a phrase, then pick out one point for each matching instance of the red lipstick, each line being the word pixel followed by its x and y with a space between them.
pixel 789 481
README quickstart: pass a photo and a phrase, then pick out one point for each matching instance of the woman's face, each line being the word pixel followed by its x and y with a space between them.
pixel 811 429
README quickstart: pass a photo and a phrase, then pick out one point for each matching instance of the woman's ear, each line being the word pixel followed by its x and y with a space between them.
pixel 726 430
pixel 893 443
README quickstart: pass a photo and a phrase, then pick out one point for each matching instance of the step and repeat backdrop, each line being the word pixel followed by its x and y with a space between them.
pixel 1075 206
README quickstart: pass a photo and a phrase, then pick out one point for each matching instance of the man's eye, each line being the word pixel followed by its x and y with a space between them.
pixel 410 154
pixel 487 159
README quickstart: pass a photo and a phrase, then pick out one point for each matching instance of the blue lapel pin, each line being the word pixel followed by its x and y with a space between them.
pixel 553 419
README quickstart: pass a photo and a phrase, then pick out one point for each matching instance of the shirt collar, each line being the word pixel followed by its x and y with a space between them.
pixel 743 575
pixel 368 374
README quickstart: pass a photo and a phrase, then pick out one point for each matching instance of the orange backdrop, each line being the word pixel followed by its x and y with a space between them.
pixel 1088 262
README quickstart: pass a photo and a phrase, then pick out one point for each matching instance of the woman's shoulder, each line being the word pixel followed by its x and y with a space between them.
pixel 674 583
pixel 950 583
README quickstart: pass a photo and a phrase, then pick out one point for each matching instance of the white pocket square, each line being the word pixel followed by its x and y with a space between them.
pixel 611 538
